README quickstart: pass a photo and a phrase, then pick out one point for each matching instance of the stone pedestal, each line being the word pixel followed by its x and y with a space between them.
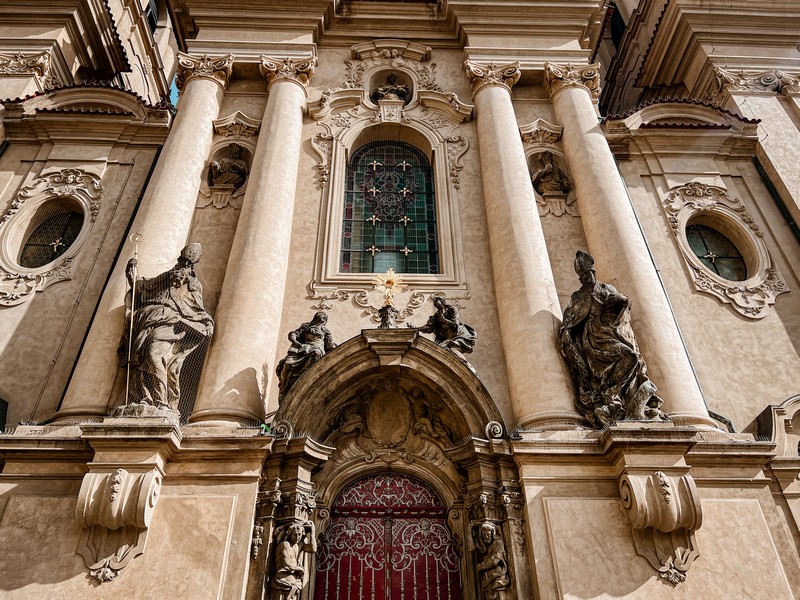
pixel 527 301
pixel 163 220
pixel 617 242
pixel 241 359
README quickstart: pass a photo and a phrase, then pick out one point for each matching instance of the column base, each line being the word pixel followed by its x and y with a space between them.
pixel 225 418
pixel 553 420
pixel 71 416
pixel 702 422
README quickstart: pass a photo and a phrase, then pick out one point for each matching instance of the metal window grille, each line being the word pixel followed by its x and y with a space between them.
pixel 51 239
pixel 389 211
pixel 716 252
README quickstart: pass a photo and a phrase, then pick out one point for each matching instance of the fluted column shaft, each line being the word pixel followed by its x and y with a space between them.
pixel 541 393
pixel 240 361
pixel 163 219
pixel 618 244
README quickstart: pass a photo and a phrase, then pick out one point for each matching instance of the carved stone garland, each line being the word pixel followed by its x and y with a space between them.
pixel 750 298
pixel 664 512
pixel 17 283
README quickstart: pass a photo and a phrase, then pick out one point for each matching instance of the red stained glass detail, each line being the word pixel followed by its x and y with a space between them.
pixel 388 540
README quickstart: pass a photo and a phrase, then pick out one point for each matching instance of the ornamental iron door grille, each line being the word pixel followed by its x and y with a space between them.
pixel 387 540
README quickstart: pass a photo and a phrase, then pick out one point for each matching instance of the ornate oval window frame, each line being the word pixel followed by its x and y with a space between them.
pixel 699 203
pixel 73 188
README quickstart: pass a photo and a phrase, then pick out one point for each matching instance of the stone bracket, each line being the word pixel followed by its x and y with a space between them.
pixel 664 512
pixel 119 493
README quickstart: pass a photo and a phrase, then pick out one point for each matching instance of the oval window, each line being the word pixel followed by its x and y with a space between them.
pixel 51 239
pixel 716 252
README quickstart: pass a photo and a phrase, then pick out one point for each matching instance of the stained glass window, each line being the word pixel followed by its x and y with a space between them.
pixel 51 239
pixel 716 252
pixel 389 211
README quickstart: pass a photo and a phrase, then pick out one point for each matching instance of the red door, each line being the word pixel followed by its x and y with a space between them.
pixel 387 541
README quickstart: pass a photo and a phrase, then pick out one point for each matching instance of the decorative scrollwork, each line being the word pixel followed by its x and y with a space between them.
pixel 557 77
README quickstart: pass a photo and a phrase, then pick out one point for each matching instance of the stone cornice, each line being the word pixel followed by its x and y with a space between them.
pixel 288 69
pixel 215 68
pixel 557 77
pixel 483 74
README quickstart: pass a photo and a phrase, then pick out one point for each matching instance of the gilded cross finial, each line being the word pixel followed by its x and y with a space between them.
pixel 404 165
pixel 406 250
pixel 388 283
pixel 405 191
pixel 404 220
pixel 374 219
pixel 373 190
pixel 374 164
pixel 372 249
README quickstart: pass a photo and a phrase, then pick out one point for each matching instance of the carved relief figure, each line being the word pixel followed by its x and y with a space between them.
pixel 310 342
pixel 391 90
pixel 291 542
pixel 601 351
pixel 492 566
pixel 549 177
pixel 448 328
pixel 228 171
pixel 169 323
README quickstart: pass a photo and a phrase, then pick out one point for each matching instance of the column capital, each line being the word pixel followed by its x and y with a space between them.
pixel 771 81
pixel 483 74
pixel 216 68
pixel 557 77
pixel 290 69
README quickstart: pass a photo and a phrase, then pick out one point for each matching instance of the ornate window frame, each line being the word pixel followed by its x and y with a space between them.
pixel 710 205
pixel 75 187
pixel 429 120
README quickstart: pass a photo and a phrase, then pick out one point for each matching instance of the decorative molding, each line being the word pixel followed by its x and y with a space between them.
pixel 322 143
pixel 664 512
pixel 457 146
pixel 17 283
pixel 483 74
pixel 215 68
pixel 238 125
pixel 115 507
pixel 557 77
pixel 711 205
pixel 35 64
pixel 541 134
pixel 769 82
pixel 391 49
pixel 288 69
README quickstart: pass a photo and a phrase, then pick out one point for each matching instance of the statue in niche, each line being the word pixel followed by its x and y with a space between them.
pixel 310 342
pixel 169 323
pixel 291 541
pixel 391 90
pixel 230 171
pixel 554 187
pixel 492 565
pixel 601 351
pixel 449 330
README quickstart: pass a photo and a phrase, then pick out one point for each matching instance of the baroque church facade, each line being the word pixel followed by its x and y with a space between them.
pixel 452 300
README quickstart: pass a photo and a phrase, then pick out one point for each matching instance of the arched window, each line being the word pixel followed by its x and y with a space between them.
pixel 51 239
pixel 389 211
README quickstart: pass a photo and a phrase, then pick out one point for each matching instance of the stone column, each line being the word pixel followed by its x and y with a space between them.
pixel 618 244
pixel 240 361
pixel 542 395
pixel 163 219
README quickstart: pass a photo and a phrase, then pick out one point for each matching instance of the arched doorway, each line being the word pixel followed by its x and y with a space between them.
pixel 387 540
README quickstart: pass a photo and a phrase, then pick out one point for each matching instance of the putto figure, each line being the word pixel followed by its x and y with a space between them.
pixel 449 330
pixel 292 541
pixel 601 351
pixel 169 323
pixel 310 342
pixel 492 566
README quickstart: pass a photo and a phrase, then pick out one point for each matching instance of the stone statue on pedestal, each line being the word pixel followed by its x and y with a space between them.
pixel 601 351
pixel 448 328
pixel 492 565
pixel 169 323
pixel 291 541
pixel 310 342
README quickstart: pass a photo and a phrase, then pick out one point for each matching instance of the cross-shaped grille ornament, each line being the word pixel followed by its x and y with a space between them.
pixel 711 256
pixel 405 192
pixel 404 165
pixel 374 219
pixel 404 220
pixel 406 250
pixel 373 190
pixel 56 244
pixel 372 249
pixel 375 164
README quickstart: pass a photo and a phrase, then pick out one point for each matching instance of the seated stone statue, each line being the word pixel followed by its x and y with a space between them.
pixel 391 90
pixel 601 351
pixel 492 566
pixel 448 329
pixel 310 342
pixel 291 542
pixel 231 171
pixel 169 323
